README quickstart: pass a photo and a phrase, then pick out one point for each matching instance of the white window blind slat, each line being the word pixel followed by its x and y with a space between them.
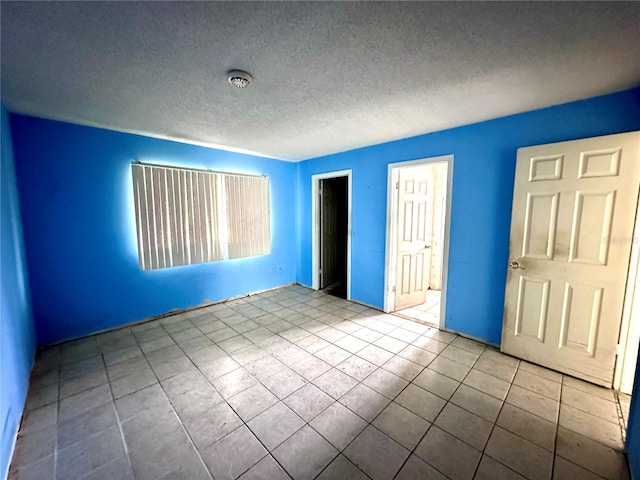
pixel 186 216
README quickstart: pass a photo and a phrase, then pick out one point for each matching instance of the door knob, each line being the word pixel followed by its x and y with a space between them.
pixel 515 266
pixel 427 247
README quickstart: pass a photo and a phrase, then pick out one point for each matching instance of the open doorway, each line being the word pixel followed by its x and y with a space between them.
pixel 417 238
pixel 331 239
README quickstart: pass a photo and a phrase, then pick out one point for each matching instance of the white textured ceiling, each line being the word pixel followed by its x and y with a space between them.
pixel 328 77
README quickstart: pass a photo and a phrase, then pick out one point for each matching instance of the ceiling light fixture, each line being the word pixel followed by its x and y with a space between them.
pixel 239 78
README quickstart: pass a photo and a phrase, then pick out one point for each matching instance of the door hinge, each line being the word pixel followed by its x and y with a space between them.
pixel 397 185
pixel 394 289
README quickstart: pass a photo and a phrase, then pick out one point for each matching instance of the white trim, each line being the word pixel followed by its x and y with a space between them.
pixel 390 250
pixel 629 341
pixel 315 225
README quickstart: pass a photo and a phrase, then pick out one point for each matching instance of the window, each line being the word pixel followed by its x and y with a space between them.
pixel 186 216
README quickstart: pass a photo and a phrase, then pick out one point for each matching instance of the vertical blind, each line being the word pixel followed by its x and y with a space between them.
pixel 185 216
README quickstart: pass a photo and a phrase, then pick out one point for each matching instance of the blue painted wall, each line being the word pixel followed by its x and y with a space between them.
pixel 484 165
pixel 633 429
pixel 17 339
pixel 77 203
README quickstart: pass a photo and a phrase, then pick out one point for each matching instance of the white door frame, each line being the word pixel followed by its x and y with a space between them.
pixel 629 342
pixel 392 227
pixel 315 221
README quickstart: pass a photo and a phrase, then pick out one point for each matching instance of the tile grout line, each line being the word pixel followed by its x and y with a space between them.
pixel 184 429
pixel 331 312
pixel 230 406
pixel 113 403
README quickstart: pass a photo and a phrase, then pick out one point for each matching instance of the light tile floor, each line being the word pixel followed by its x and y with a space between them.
pixel 428 312
pixel 296 383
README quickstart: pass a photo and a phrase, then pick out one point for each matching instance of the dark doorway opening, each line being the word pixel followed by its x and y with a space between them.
pixel 334 217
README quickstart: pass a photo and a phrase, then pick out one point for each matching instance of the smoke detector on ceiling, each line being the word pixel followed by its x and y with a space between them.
pixel 239 78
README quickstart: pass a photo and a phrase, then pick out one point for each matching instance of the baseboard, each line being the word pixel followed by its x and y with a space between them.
pixel 170 313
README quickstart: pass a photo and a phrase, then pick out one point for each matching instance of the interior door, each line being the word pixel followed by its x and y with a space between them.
pixel 328 233
pixel 413 261
pixel 574 206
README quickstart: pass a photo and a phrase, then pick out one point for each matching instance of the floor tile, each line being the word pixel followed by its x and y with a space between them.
pixel 491 354
pixel 589 388
pixel 477 402
pixel 448 367
pixel 533 403
pixel 415 468
pixel 308 402
pixel 430 344
pixel 591 426
pixel 267 468
pixel 212 425
pixel 464 425
pixel 265 367
pixel 390 344
pixel 83 457
pixel 341 469
pixel 34 446
pixel 402 367
pixel 313 343
pixel 331 334
pixel 421 402
pixel 39 418
pixel 538 384
pixel 284 383
pixel 460 355
pixel 335 383
pixel 81 427
pixel 537 430
pixel 590 403
pixel 386 383
pixel 85 401
pixel 42 396
pixel 234 454
pixel 333 355
pixel 469 345
pixel 132 383
pixel 365 402
pixel 437 383
pixel 234 344
pixel 450 456
pixel 275 425
pixel 311 367
pixel 489 469
pixel 367 334
pixel 338 425
pixel 401 425
pixel 127 367
pixel 265 336
pixel 119 468
pixel 305 454
pixel 520 455
pixel 487 384
pixel 565 470
pixel 496 368
pixel 376 454
pixel 252 401
pixel 440 335
pixel 248 354
pixel 417 355
pixel 234 382
pixel 149 398
pixel 376 355
pixel 406 336
pixel 356 367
